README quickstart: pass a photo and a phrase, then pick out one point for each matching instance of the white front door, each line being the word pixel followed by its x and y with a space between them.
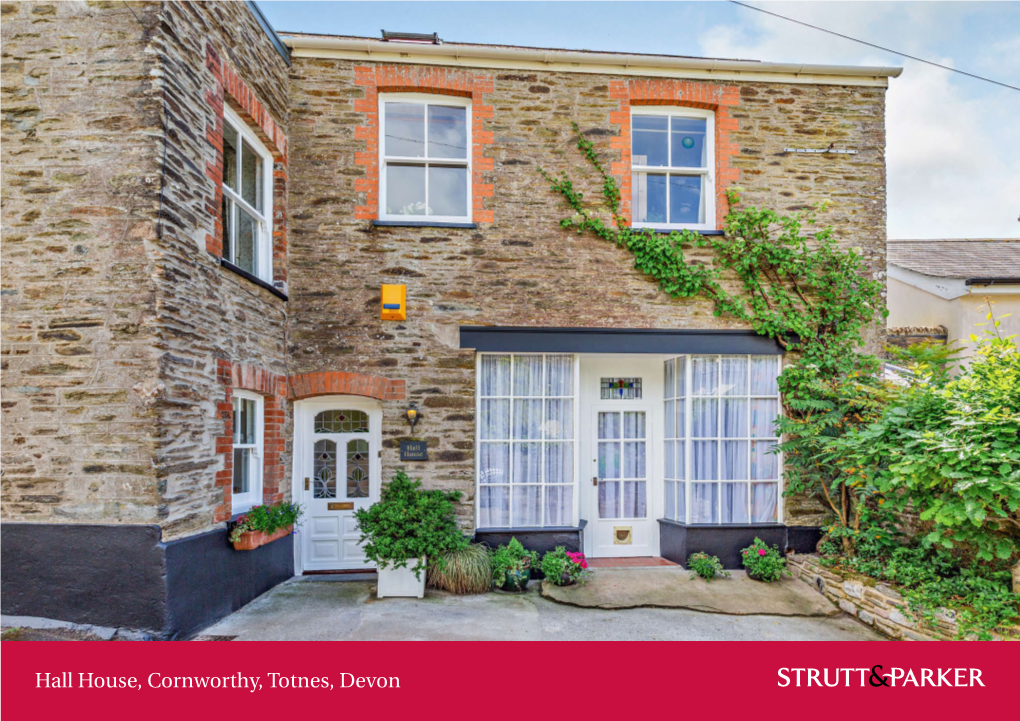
pixel 621 478
pixel 337 469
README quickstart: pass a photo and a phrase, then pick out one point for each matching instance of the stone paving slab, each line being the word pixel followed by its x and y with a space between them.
pixel 674 587
pixel 304 610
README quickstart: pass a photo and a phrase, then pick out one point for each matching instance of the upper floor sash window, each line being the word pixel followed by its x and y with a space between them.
pixel 247 209
pixel 426 163
pixel 673 165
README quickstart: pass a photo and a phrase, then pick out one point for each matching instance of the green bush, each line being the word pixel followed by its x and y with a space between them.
pixel 268 519
pixel 767 564
pixel 511 557
pixel 410 522
pixel 466 570
pixel 708 567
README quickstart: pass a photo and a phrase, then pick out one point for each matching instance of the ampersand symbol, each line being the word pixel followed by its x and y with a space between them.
pixel 876 677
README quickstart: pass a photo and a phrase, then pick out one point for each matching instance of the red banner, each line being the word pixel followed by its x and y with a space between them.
pixel 207 680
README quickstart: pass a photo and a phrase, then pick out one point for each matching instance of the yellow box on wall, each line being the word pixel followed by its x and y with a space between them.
pixel 394 302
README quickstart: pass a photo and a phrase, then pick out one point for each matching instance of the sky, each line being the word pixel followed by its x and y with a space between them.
pixel 953 142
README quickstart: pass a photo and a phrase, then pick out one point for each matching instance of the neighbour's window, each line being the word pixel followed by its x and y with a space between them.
pixel 248 425
pixel 426 164
pixel 247 199
pixel 526 440
pixel 720 439
pixel 672 156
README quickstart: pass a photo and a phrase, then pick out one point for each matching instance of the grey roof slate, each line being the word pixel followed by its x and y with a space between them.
pixel 958 257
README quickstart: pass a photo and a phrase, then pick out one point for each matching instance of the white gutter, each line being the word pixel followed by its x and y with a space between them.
pixel 488 56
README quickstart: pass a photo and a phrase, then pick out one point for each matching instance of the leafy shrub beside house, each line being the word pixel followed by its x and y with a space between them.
pixel 948 451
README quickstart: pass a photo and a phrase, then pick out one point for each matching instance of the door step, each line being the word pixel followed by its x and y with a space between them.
pixel 630 562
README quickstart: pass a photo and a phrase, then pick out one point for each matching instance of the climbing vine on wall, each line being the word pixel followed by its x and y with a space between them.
pixel 811 295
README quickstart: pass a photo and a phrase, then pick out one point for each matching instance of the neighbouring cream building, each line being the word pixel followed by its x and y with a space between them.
pixel 941 289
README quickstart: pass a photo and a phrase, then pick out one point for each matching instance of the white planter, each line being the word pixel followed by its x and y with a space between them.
pixel 394 582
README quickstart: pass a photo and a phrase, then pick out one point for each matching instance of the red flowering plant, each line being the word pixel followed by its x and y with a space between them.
pixel 763 563
pixel 565 568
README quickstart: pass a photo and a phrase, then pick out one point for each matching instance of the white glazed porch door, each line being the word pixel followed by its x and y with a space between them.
pixel 341 472
pixel 622 522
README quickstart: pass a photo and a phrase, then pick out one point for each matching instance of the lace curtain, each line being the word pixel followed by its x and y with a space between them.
pixel 526 429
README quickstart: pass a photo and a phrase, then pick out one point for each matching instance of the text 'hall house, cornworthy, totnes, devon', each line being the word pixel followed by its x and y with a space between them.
pixel 199 216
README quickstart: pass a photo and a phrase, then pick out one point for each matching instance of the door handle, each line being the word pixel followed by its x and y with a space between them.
pixel 306 484
pixel 594 480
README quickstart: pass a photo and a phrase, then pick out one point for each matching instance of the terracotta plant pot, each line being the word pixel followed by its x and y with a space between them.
pixel 250 540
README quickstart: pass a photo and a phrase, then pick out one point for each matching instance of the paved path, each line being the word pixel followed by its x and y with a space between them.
pixel 313 608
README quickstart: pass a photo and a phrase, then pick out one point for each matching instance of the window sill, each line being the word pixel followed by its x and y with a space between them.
pixel 667 231
pixel 420 224
pixel 763 524
pixel 254 279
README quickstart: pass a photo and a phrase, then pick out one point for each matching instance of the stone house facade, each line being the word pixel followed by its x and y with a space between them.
pixel 199 217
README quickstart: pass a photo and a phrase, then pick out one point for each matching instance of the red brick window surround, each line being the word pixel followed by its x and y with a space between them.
pixel 307 385
pixel 273 389
pixel 228 88
pixel 382 79
pixel 682 94
pixel 276 390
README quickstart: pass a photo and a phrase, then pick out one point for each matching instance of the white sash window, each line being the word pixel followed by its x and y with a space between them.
pixel 248 450
pixel 247 199
pixel 426 158
pixel 673 165
pixel 527 440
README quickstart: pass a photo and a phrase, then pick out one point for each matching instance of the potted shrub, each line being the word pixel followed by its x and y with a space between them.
pixel 408 526
pixel 564 568
pixel 264 524
pixel 763 563
pixel 511 566
pixel 708 567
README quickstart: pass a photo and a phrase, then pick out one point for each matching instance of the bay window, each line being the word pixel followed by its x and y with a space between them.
pixel 247 207
pixel 248 442
pixel 720 439
pixel 673 161
pixel 526 440
pixel 426 160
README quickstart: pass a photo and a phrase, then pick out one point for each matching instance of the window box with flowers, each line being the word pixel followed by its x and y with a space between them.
pixel 264 524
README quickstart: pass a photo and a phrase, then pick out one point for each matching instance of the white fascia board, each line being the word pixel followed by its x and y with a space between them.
pixel 995 289
pixel 474 56
pixel 947 288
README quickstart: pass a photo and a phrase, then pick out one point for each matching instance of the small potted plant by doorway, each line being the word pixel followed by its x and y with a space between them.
pixel 511 566
pixel 763 563
pixel 264 524
pixel 563 568
pixel 408 526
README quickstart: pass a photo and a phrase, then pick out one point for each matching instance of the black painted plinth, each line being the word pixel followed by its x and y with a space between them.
pixel 124 576
pixel 677 541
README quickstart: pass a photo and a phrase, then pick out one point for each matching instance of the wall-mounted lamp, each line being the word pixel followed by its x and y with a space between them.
pixel 411 413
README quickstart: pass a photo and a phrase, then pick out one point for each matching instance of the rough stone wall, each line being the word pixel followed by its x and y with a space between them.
pixel 113 322
pixel 876 604
pixel 81 136
pixel 206 313
pixel 520 269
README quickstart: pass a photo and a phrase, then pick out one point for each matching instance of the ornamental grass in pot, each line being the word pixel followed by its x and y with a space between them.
pixel 406 530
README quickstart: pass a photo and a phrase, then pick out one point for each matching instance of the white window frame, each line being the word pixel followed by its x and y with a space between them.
pixel 241 502
pixel 384 159
pixel 264 224
pixel 576 493
pixel 707 173
pixel 689 440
